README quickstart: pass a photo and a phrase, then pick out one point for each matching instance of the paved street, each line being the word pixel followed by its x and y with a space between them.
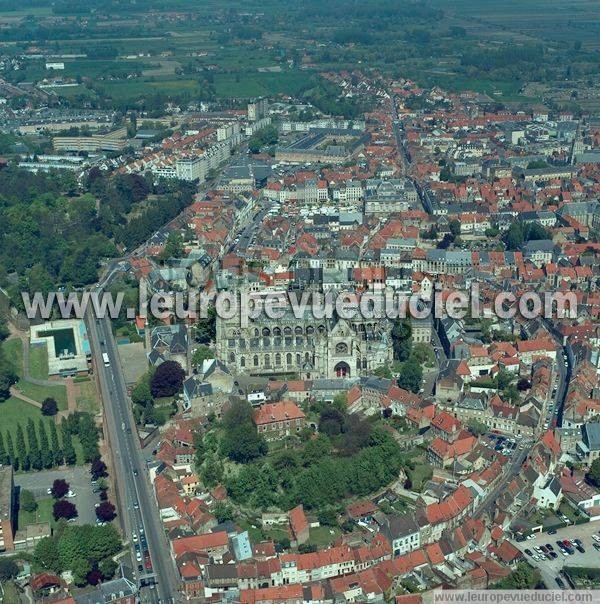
pixel 79 481
pixel 550 569
pixel 139 513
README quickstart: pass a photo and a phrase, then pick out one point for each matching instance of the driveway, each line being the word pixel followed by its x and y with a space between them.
pixel 79 480
pixel 550 569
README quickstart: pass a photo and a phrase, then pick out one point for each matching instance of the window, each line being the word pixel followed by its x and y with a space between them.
pixel 255 360
pixel 341 348
pixel 242 361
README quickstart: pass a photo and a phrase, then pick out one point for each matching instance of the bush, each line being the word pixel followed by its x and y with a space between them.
pixel 60 487
pixel 167 379
pixel 64 509
pixel 49 406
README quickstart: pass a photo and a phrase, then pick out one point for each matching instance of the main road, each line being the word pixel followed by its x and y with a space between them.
pixel 156 571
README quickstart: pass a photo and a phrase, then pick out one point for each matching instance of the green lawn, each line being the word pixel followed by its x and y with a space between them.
pixel 15 411
pixel 420 475
pixel 256 84
pixel 42 514
pixel 14 352
pixel 39 393
pixel 88 398
pixel 321 535
pixel 9 593
pixel 38 362
pixel 38 367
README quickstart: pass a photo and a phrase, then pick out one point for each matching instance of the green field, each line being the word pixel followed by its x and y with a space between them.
pixel 323 535
pixel 38 366
pixel 42 514
pixel 38 362
pixel 88 398
pixel 15 411
pixel 39 393
pixel 256 84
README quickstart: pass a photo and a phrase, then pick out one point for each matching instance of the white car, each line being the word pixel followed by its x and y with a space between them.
pixel 536 557
pixel 135 538
pixel 71 494
pixel 530 537
pixel 596 538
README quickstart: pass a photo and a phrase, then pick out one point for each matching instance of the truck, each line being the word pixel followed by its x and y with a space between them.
pixel 105 359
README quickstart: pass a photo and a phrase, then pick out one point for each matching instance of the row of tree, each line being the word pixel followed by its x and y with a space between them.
pixel 41 448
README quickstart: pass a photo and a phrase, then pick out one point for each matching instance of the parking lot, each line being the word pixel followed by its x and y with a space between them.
pixel 79 481
pixel 550 568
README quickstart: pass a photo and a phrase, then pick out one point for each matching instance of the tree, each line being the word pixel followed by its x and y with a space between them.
pixel 60 487
pixel 94 577
pixel 98 469
pixel 64 509
pixel 523 577
pixel 106 511
pixel 476 427
pixel 222 512
pixel 4 459
pixel 167 379
pixel 411 376
pixel 27 501
pixel 81 568
pixel 10 452
pixel 454 227
pixel 205 331
pixel 45 450
pixel 243 443
pixel 22 449
pixel 331 421
pixel 594 473
pixel 514 237
pixel 401 339
pixel 8 569
pixel 108 567
pixel 35 457
pixel 7 377
pixel 49 406
pixel 201 354
pixel 57 454
pixel 173 246
pixel 141 395
pixel 69 454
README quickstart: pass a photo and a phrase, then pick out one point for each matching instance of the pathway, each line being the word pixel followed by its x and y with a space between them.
pixel 18 394
pixel 68 382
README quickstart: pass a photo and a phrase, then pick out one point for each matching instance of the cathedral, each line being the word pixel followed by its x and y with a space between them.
pixel 308 347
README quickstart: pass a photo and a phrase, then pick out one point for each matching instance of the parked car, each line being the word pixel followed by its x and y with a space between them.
pixel 560 582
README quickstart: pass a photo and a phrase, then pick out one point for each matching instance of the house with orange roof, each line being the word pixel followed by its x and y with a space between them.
pixel 441 453
pixel 299 527
pixel 445 426
pixel 277 420
pixel 216 545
